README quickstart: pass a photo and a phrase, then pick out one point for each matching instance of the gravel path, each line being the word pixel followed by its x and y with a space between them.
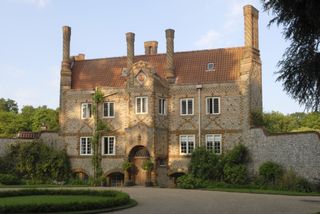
pixel 169 201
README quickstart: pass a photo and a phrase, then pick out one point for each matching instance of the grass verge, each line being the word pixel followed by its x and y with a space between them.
pixel 263 191
pixel 48 200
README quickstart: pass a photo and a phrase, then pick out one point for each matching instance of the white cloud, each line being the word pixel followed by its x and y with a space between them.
pixel 37 3
pixel 232 25
pixel 209 40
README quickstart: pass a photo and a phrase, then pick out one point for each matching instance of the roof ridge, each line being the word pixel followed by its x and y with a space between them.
pixel 178 52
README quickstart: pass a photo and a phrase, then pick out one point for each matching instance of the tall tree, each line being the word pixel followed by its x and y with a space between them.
pixel 8 105
pixel 300 66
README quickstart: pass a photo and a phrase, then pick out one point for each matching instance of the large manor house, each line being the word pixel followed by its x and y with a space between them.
pixel 160 106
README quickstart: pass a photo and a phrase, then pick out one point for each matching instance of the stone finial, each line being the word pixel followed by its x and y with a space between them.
pixel 130 49
pixel 170 52
pixel 150 47
pixel 251 31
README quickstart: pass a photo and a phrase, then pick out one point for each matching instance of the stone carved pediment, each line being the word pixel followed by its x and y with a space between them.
pixel 143 74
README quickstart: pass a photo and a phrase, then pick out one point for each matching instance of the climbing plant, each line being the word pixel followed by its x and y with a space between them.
pixel 98 129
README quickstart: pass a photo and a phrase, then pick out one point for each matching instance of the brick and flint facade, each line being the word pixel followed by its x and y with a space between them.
pixel 160 106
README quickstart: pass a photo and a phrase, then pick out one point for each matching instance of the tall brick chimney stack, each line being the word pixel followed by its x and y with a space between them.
pixel 65 74
pixel 251 31
pixel 170 52
pixel 130 49
pixel 65 66
pixel 150 47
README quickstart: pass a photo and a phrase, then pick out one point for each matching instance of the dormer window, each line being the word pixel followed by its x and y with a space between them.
pixel 210 66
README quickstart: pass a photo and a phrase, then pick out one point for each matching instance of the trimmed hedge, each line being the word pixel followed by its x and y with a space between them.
pixel 112 199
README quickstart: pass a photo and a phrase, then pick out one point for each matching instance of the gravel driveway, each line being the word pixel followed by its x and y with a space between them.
pixel 167 201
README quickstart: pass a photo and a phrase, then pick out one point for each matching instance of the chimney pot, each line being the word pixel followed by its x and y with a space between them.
pixel 80 57
pixel 150 47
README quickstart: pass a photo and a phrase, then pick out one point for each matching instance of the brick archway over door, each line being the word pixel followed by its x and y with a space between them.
pixel 137 156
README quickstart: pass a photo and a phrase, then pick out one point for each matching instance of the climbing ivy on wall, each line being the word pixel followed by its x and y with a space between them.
pixel 98 129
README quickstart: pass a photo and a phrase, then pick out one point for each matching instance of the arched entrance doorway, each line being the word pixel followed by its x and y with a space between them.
pixel 138 155
pixel 115 179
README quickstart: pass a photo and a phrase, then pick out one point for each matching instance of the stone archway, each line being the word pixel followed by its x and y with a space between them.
pixel 138 155
pixel 115 179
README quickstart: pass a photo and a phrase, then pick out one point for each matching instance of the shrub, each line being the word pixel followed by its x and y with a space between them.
pixel 38 162
pixel 292 182
pixel 190 182
pixel 270 172
pixel 7 179
pixel 127 166
pixel 238 155
pixel 235 173
pixel 205 165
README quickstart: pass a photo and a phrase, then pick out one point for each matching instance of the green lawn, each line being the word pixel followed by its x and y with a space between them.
pixel 50 199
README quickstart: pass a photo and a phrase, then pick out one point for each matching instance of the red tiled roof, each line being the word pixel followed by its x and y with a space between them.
pixel 190 68
pixel 28 135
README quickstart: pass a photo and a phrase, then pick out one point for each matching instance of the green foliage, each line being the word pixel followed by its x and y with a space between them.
pixel 190 182
pixel 235 173
pixel 299 67
pixel 230 168
pixel 99 128
pixel 276 122
pixel 147 165
pixel 8 105
pixel 270 172
pixel 7 179
pixel 98 96
pixel 44 117
pixel 9 124
pixel 30 118
pixel 127 166
pixel 205 165
pixel 238 155
pixel 37 162
pixel 291 181
pixel 109 199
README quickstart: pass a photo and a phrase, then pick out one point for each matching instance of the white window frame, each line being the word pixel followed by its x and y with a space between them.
pixel 187 112
pixel 108 115
pixel 162 106
pixel 86 153
pixel 207 110
pixel 190 139
pixel 214 141
pixel 87 107
pixel 210 64
pixel 103 145
pixel 141 105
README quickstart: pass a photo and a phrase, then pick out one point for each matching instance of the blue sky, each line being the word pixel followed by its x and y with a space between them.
pixel 31 39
